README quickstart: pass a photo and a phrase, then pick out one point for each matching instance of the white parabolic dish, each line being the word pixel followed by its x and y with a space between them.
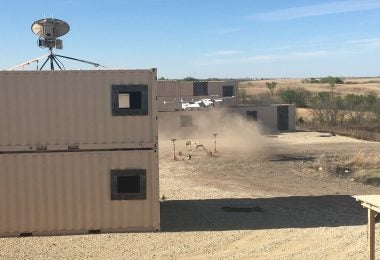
pixel 50 28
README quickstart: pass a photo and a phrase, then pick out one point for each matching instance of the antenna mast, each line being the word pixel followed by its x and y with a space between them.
pixel 48 30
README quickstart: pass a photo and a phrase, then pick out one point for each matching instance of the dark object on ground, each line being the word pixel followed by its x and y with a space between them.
pixel 242 208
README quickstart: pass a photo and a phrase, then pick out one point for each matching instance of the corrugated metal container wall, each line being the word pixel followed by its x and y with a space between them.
pixel 174 88
pixel 216 88
pixel 167 88
pixel 53 108
pixel 69 193
pixel 172 105
pixel 185 88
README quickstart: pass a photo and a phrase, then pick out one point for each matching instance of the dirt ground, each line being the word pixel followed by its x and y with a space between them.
pixel 274 201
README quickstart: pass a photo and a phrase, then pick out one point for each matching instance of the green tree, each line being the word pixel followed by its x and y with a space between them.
pixel 331 80
pixel 190 79
pixel 314 80
pixel 298 96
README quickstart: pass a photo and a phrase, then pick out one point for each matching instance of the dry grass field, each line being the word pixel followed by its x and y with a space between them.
pixel 279 199
pixel 258 93
pixel 354 85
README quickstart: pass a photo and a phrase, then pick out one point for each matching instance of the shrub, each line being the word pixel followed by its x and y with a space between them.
pixel 298 96
pixel 190 79
pixel 329 80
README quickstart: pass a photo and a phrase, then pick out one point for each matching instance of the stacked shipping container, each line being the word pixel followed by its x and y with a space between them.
pixel 78 152
pixel 271 117
pixel 172 90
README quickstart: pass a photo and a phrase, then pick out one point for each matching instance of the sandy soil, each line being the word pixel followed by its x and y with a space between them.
pixel 298 210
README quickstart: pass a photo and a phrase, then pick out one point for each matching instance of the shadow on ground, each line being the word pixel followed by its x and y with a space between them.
pixel 265 213
pixel 291 158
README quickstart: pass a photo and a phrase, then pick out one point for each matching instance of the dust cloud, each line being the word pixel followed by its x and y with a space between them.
pixel 234 132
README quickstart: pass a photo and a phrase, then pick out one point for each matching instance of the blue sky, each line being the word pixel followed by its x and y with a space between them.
pixel 205 38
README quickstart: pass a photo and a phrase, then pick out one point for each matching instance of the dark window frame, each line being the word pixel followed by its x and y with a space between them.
pixel 115 174
pixel 140 91
pixel 228 91
pixel 200 88
pixel 252 115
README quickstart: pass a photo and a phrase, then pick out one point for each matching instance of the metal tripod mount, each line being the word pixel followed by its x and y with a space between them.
pixel 53 59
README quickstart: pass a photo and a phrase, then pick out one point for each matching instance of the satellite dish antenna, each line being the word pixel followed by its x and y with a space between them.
pixel 48 30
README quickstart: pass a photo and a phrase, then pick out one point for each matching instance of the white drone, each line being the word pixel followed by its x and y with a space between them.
pixel 201 103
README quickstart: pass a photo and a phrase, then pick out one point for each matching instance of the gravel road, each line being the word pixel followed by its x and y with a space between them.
pixel 273 202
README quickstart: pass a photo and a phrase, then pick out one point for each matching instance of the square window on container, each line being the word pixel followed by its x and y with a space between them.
pixel 252 115
pixel 228 91
pixel 128 184
pixel 200 88
pixel 129 100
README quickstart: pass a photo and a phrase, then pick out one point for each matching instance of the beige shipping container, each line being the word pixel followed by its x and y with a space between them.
pixel 172 104
pixel 224 89
pixel 167 104
pixel 167 88
pixel 174 88
pixel 78 192
pixel 170 91
pixel 185 88
pixel 52 110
